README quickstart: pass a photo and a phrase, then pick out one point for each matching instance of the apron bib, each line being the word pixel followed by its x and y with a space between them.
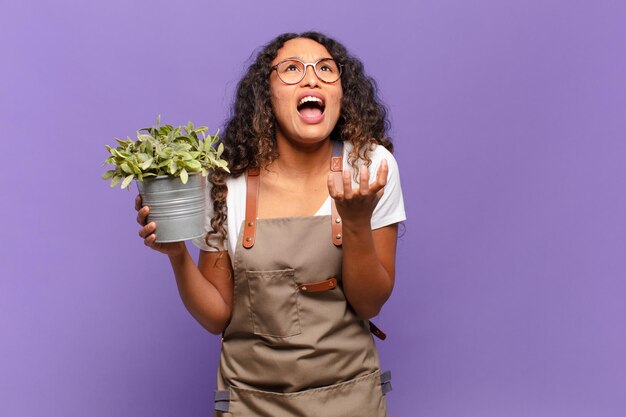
pixel 294 346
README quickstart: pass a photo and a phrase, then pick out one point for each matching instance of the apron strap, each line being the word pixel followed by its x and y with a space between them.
pixel 252 196
pixel 385 382
pixel 222 400
pixel 336 168
pixel 377 332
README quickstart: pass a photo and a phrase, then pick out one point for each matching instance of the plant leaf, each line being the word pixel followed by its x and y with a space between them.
pixel 108 174
pixel 116 179
pixel 184 176
pixel 185 155
pixel 193 165
pixel 147 164
pixel 135 168
pixel 149 148
pixel 127 181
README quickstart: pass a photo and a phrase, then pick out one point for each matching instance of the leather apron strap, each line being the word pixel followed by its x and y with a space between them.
pixel 252 197
pixel 336 169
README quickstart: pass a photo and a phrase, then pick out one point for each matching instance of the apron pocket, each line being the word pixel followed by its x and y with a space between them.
pixel 359 397
pixel 274 309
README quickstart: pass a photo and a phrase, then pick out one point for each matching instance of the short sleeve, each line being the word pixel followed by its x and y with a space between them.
pixel 390 207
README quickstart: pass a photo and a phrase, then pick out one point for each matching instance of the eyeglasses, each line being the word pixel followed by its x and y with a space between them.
pixel 292 71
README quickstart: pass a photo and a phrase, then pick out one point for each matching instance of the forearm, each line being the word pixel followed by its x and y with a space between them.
pixel 366 282
pixel 201 298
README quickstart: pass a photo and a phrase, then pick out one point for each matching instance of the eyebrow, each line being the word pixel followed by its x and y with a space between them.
pixel 302 59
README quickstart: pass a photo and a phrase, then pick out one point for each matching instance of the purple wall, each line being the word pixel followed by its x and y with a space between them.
pixel 509 122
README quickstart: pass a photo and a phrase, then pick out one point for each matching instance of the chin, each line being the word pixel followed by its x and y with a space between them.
pixel 312 137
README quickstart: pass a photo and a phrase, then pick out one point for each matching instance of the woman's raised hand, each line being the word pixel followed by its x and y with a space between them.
pixel 147 233
pixel 356 205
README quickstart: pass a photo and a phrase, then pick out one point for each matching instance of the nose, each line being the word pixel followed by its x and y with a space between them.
pixel 310 77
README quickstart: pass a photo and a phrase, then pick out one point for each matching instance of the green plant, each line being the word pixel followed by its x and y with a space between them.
pixel 164 150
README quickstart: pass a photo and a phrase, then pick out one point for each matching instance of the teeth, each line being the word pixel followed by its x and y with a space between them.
pixel 309 98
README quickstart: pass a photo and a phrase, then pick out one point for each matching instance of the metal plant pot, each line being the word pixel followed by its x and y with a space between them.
pixel 178 209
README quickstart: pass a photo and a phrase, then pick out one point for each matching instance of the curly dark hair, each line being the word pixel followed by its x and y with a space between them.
pixel 249 138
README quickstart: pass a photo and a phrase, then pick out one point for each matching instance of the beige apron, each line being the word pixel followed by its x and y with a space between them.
pixel 294 346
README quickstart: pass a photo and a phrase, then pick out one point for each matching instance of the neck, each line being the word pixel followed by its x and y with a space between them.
pixel 299 159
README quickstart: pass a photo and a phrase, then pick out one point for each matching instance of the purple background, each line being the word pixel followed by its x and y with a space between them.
pixel 509 123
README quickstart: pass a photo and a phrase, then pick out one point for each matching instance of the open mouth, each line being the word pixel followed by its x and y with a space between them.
pixel 310 106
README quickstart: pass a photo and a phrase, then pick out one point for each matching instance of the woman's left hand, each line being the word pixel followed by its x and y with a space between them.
pixel 356 205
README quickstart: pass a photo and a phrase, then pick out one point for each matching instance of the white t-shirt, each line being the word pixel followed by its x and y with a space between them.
pixel 389 210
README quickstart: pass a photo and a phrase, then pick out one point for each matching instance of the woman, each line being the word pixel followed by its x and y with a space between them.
pixel 310 240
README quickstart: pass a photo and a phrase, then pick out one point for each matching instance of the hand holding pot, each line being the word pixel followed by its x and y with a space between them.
pixel 147 232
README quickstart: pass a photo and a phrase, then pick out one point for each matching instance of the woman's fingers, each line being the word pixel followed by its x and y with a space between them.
pixel 142 212
pixel 147 230
pixel 142 215
pixel 347 184
pixel 364 188
pixel 332 189
pixel 150 240
pixel 364 179
pixel 381 178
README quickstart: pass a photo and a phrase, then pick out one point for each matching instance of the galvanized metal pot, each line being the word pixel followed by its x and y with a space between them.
pixel 178 209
